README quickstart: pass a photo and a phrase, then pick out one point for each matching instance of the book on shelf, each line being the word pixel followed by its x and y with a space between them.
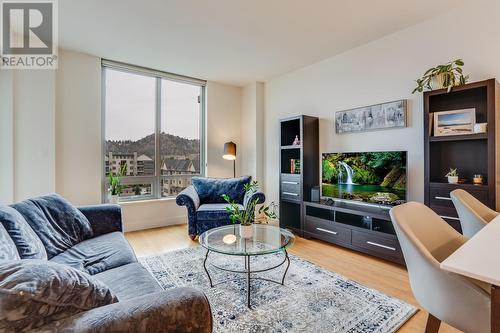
pixel 294 166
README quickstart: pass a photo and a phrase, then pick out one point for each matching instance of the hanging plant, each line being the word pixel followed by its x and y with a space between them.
pixel 442 76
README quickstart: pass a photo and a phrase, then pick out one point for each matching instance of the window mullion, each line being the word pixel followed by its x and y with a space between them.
pixel 202 134
pixel 104 188
pixel 157 139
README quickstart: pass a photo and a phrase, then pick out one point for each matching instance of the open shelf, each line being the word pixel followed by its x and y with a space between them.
pixel 479 136
pixel 291 147
pixel 290 214
pixel 469 96
pixel 383 226
pixel 289 129
pixel 286 156
pixel 470 157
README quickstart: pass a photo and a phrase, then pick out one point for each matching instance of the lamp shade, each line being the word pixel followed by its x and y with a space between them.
pixel 229 151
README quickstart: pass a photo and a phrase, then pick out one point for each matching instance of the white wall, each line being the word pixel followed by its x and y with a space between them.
pixel 381 71
pixel 223 125
pixel 34 134
pixel 252 129
pixel 248 158
pixel 27 122
pixel 7 137
pixel 78 128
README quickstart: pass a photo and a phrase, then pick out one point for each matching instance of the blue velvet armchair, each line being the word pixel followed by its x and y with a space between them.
pixel 205 205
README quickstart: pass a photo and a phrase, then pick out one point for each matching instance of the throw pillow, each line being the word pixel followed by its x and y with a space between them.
pixel 27 242
pixel 36 292
pixel 57 222
pixel 210 190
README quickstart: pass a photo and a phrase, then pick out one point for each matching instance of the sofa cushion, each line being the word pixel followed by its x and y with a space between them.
pixel 58 223
pixel 134 281
pixel 8 250
pixel 36 292
pixel 29 246
pixel 210 190
pixel 98 254
pixel 214 211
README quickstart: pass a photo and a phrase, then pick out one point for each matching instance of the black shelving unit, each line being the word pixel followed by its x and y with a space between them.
pixel 470 154
pixel 296 187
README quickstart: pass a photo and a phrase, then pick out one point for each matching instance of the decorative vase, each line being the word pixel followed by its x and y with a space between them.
pixel 437 82
pixel 113 199
pixel 452 179
pixel 246 230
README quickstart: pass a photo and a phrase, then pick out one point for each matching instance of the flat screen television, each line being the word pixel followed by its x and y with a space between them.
pixel 372 177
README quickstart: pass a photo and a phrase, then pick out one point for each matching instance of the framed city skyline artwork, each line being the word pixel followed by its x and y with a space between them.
pixel 373 117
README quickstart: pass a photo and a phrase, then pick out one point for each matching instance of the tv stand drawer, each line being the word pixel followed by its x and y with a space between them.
pixel 327 231
pixel 381 246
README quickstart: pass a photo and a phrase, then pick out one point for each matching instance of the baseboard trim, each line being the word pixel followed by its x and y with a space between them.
pixel 164 222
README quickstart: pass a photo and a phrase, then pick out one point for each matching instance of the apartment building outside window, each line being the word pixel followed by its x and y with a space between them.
pixel 153 125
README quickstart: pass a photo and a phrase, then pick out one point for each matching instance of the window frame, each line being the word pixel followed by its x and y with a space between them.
pixel 156 179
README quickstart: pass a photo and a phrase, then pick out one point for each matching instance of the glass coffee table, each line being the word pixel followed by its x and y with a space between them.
pixel 265 239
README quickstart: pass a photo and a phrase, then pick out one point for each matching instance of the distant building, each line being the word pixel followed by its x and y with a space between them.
pixel 145 165
pixel 141 165
pixel 182 170
pixel 178 171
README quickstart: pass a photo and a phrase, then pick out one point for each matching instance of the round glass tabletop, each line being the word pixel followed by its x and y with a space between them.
pixel 265 239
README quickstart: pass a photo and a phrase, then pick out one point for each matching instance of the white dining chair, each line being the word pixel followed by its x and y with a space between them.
pixel 426 240
pixel 473 214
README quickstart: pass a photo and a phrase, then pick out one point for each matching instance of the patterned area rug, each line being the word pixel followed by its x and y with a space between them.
pixel 312 300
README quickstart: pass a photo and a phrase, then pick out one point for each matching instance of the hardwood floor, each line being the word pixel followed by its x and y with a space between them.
pixel 386 277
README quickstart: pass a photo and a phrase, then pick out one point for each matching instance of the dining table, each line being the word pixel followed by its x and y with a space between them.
pixel 479 258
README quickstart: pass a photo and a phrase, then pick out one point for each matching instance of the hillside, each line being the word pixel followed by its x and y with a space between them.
pixel 169 145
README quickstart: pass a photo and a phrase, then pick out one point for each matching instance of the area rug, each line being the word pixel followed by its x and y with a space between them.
pixel 313 299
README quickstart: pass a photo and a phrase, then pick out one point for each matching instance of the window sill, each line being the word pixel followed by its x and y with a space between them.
pixel 146 201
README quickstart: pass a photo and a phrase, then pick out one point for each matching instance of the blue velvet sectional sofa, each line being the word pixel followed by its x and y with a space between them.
pixel 205 205
pixel 88 241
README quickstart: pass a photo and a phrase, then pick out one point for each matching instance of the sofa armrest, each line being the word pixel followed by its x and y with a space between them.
pixel 103 218
pixel 189 198
pixel 174 310
pixel 258 195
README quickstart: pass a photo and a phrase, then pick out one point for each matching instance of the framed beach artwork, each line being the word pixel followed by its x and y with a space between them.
pixel 456 122
pixel 373 117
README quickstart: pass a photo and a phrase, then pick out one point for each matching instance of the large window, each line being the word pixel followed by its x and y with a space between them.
pixel 153 126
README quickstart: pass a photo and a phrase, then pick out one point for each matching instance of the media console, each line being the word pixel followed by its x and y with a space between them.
pixel 356 226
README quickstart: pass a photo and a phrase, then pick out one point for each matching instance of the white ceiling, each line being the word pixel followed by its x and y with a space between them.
pixel 233 41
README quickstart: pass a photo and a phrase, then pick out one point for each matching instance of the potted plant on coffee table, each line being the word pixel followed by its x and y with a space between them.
pixel 115 184
pixel 246 217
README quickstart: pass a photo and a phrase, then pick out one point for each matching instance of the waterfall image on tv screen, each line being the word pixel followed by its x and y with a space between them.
pixel 374 177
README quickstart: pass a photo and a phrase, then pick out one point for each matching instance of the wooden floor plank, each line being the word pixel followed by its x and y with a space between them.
pixel 384 276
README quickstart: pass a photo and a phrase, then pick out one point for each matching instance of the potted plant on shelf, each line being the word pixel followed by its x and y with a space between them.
pixel 442 76
pixel 452 176
pixel 115 184
pixel 246 217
